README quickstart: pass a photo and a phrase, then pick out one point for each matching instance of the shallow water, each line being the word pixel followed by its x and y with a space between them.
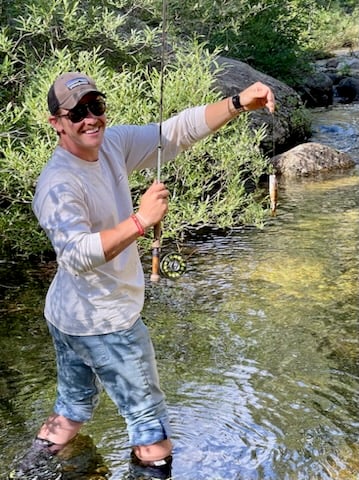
pixel 338 127
pixel 257 348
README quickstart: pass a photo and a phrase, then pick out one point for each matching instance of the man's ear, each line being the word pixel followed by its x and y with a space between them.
pixel 56 124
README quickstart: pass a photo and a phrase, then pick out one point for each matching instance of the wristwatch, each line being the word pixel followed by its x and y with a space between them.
pixel 236 102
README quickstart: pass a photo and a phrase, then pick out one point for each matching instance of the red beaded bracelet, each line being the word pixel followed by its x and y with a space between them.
pixel 140 228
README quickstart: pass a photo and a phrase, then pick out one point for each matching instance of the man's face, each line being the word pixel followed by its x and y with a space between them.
pixel 81 129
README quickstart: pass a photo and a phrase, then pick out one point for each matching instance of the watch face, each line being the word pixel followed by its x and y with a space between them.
pixel 237 102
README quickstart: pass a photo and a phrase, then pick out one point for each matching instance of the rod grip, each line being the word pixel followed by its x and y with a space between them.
pixel 156 251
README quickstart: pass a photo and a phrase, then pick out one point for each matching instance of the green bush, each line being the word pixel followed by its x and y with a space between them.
pixel 334 28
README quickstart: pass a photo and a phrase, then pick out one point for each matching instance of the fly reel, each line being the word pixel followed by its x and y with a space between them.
pixel 172 266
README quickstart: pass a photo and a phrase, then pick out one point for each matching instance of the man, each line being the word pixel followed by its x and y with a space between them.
pixel 93 305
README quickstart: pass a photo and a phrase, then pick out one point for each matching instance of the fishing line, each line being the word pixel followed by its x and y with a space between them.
pixel 172 265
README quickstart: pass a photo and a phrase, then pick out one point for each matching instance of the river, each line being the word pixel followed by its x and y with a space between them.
pixel 257 344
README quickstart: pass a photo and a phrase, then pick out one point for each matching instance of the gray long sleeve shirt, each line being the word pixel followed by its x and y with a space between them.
pixel 75 200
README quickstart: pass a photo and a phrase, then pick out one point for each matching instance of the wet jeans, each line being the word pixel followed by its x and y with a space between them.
pixel 124 364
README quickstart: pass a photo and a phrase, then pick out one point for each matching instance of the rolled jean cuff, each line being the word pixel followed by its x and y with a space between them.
pixel 79 414
pixel 150 432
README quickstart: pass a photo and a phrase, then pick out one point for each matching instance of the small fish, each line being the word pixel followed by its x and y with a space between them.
pixel 273 192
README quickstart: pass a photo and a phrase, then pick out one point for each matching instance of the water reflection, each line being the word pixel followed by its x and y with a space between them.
pixel 257 348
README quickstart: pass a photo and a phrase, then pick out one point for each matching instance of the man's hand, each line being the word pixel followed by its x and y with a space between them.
pixel 153 205
pixel 257 96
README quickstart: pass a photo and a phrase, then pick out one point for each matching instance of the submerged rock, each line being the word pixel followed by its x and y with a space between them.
pixel 81 460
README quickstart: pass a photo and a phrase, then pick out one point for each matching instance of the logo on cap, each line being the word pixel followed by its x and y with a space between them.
pixel 76 82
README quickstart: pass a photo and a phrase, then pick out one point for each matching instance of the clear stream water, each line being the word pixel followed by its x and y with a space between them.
pixel 257 344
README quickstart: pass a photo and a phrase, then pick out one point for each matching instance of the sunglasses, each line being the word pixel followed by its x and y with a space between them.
pixel 80 112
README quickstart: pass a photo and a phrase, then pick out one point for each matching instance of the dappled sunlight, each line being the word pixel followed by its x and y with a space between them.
pixel 296 277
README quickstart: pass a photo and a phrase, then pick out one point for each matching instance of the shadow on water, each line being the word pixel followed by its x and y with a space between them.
pixel 257 346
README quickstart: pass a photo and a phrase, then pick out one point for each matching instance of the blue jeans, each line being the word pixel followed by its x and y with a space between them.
pixel 124 364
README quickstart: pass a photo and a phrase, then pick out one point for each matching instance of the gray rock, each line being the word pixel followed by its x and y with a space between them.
pixel 310 158
pixel 290 122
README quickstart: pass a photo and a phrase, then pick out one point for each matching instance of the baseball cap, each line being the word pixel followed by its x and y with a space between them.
pixel 68 89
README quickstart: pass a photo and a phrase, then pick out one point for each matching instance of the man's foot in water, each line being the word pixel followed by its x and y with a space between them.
pixel 38 462
pixel 139 470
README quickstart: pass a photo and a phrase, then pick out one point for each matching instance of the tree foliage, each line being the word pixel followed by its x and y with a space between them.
pixel 279 38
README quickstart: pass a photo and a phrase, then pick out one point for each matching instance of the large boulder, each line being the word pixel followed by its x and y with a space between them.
pixel 310 158
pixel 347 90
pixel 317 90
pixel 334 80
pixel 290 121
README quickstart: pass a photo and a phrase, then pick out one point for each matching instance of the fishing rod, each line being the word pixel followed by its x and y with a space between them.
pixel 156 244
pixel 171 265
